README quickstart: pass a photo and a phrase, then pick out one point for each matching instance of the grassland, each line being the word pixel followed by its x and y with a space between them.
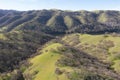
pixel 3 37
pixel 94 40
pixel 92 45
pixel 45 64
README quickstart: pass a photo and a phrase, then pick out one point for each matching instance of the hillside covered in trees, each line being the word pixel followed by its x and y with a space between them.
pixel 58 21
pixel 59 45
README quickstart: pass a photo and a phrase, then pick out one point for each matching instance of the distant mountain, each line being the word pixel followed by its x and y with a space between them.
pixel 51 21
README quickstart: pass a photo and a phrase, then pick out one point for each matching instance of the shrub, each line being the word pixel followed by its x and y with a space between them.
pixel 86 75
pixel 58 71
pixel 17 75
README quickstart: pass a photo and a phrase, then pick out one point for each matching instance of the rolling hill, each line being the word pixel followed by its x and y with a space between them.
pixel 63 60
pixel 59 45
pixel 58 21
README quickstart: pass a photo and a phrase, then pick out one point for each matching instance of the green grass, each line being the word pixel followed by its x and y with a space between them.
pixel 51 21
pixel 94 40
pixel 89 42
pixel 103 17
pixel 68 20
pixel 116 41
pixel 84 38
pixel 91 39
pixel 116 66
pixel 44 64
pixel 81 19
pixel 3 37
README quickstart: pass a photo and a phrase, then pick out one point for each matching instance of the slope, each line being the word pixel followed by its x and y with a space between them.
pixel 104 47
pixel 61 61
pixel 44 65
pixel 58 21
pixel 18 46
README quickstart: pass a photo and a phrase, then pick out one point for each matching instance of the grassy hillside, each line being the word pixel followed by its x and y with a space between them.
pixel 66 61
pixel 3 37
pixel 105 47
pixel 70 56
pixel 44 65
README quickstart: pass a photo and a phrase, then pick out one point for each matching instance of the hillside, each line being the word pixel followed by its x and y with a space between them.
pixel 58 21
pixel 104 47
pixel 60 61
pixel 72 57
pixel 45 64
pixel 18 46
pixel 59 45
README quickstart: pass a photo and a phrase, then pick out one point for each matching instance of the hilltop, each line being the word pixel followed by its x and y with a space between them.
pixel 59 21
